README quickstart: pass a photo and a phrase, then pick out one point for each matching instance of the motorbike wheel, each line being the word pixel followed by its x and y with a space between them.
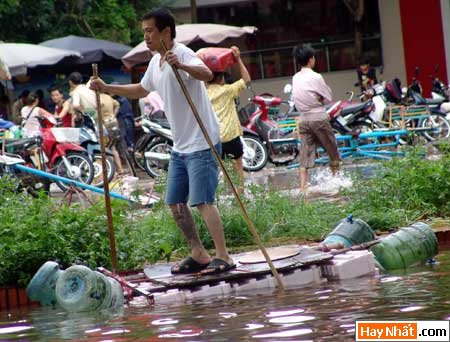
pixel 154 168
pixel 259 155
pixel 138 151
pixel 82 166
pixel 39 185
pixel 98 170
pixel 439 127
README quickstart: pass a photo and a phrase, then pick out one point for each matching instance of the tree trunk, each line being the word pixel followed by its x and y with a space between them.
pixel 193 11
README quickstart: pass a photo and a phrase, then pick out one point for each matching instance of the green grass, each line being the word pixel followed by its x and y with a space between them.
pixel 33 231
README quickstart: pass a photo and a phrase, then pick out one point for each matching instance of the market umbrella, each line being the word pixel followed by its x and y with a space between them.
pixel 18 57
pixel 91 49
pixel 188 34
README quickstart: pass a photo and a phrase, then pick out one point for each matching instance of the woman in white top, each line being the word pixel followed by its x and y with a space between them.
pixel 30 113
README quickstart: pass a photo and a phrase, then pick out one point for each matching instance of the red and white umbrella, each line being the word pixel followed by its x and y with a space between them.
pixel 188 34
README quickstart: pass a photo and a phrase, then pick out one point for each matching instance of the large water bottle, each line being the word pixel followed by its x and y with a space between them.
pixel 81 289
pixel 408 246
pixel 350 232
pixel 42 286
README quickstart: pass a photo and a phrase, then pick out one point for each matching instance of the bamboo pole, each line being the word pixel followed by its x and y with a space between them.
pixel 227 176
pixel 112 239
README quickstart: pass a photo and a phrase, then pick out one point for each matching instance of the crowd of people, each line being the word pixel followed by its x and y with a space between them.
pixel 117 112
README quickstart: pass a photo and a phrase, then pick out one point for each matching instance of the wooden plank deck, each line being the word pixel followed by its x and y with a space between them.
pixel 159 277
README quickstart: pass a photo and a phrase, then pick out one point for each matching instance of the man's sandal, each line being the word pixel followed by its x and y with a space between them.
pixel 188 265
pixel 217 266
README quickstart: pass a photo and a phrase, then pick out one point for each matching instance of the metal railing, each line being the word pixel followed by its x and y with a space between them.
pixel 330 56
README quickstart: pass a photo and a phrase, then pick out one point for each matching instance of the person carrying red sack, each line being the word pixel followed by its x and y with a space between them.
pixel 222 98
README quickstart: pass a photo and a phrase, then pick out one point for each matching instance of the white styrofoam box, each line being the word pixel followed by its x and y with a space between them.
pixel 352 264
pixel 225 287
pixel 208 291
pixel 169 297
pixel 302 277
pixel 266 282
pixel 188 295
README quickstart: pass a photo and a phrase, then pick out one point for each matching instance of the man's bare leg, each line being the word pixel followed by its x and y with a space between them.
pixel 211 216
pixel 334 170
pixel 117 160
pixel 303 179
pixel 183 217
pixel 334 167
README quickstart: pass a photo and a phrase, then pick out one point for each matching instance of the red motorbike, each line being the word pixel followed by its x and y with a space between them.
pixel 264 139
pixel 61 156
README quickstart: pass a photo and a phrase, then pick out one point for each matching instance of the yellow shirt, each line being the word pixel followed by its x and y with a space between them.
pixel 109 107
pixel 222 100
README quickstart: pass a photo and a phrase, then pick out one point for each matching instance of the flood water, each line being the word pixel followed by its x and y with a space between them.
pixel 319 312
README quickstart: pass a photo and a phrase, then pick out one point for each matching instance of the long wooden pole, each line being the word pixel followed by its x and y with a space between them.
pixel 227 176
pixel 112 239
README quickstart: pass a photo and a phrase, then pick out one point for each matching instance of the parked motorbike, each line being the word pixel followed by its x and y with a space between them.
pixel 268 141
pixel 88 139
pixel 152 149
pixel 433 126
pixel 28 152
pixel 441 92
pixel 65 159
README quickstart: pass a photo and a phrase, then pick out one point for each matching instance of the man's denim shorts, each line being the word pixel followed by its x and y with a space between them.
pixel 193 177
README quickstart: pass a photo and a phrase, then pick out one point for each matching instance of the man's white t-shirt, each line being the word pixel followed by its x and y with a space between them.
pixel 187 135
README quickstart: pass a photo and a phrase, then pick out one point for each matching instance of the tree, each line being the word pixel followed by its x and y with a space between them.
pixel 356 9
pixel 36 20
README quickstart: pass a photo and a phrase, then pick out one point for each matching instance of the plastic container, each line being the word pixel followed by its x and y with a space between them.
pixel 42 286
pixel 217 59
pixel 114 297
pixel 81 289
pixel 408 246
pixel 350 232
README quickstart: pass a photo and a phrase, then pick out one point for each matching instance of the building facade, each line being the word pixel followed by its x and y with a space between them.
pixel 398 34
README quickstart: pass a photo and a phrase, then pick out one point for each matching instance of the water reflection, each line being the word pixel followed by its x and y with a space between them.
pixel 324 312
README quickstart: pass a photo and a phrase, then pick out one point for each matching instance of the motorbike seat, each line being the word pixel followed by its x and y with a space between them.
pixel 354 108
pixel 163 122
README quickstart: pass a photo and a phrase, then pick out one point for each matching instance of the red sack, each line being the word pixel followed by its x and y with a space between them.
pixel 217 59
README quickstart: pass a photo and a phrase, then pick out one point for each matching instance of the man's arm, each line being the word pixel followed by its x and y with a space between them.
pixel 199 72
pixel 132 91
pixel 64 111
pixel 242 69
pixel 323 90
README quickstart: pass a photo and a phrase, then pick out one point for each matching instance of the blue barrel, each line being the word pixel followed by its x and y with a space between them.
pixel 350 232
pixel 42 286
pixel 408 246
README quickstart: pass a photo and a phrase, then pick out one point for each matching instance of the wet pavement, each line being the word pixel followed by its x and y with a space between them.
pixel 323 186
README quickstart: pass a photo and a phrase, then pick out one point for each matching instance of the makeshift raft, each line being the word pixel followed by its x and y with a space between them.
pixel 297 266
pixel 343 255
